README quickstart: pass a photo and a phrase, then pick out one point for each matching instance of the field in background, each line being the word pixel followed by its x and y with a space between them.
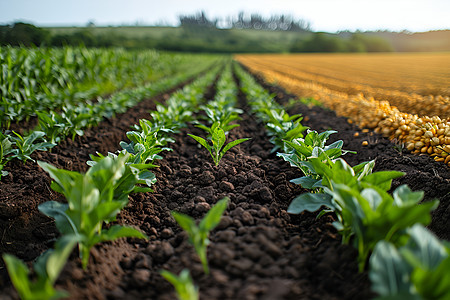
pixel 403 96
pixel 263 40
pixel 399 78
pixel 243 40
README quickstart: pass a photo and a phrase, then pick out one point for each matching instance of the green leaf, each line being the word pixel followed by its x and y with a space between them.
pixel 404 196
pixel 424 250
pixel 306 182
pixel 300 148
pixel 326 134
pixel 186 290
pixel 63 178
pixel 335 145
pixel 186 222
pixel 218 139
pixel 363 169
pixel 58 258
pixel 205 128
pixel 201 141
pixel 212 218
pixel 373 198
pixel 118 231
pixel 57 211
pixel 33 137
pixel 309 202
pixel 293 159
pixel 389 272
pixel 296 132
pixel 104 211
pixel 382 179
pixel 18 272
pixel 435 283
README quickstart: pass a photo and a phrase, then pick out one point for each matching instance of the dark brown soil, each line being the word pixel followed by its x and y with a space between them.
pixel 258 251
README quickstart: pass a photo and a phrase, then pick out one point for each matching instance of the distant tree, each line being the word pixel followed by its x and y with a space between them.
pixel 24 34
pixel 197 20
pixel 369 43
pixel 320 42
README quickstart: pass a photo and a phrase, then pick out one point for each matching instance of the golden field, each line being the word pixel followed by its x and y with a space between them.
pixel 401 95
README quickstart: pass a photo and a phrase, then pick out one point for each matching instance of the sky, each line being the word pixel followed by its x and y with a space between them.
pixel 323 15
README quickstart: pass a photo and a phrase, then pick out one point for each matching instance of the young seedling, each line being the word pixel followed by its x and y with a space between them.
pixel 5 149
pixel 25 145
pixel 282 127
pixel 53 125
pixel 218 138
pixel 47 269
pixel 186 290
pixel 92 199
pixel 304 150
pixel 198 235
pixel 370 215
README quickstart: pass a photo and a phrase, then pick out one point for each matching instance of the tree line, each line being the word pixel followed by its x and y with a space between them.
pixel 241 21
pixel 197 33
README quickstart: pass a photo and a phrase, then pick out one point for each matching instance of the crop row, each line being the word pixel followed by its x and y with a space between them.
pixel 96 197
pixel 368 217
pixel 54 126
pixel 49 79
pixel 389 229
pixel 426 134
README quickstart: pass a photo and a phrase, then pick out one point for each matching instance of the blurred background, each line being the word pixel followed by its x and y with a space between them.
pixel 282 26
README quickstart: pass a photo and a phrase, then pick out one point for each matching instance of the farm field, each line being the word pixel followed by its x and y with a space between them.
pixel 402 96
pixel 258 250
pixel 415 83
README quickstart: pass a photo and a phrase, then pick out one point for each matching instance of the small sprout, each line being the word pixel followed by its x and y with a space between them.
pixel 198 235
pixel 218 138
pixel 26 145
pixel 46 268
pixel 186 290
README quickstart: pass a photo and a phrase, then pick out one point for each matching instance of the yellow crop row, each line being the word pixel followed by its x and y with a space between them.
pixel 425 134
pixel 353 74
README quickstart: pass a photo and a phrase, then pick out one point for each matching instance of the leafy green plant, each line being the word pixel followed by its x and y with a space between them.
pixel 282 127
pixel 25 145
pixel 146 143
pixel 223 116
pixel 312 146
pixel 366 212
pixel 371 215
pixel 5 149
pixel 218 138
pixel 198 235
pixel 416 270
pixel 53 125
pixel 48 79
pixel 134 178
pixel 222 108
pixel 93 199
pixel 186 290
pixel 340 172
pixel 47 269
